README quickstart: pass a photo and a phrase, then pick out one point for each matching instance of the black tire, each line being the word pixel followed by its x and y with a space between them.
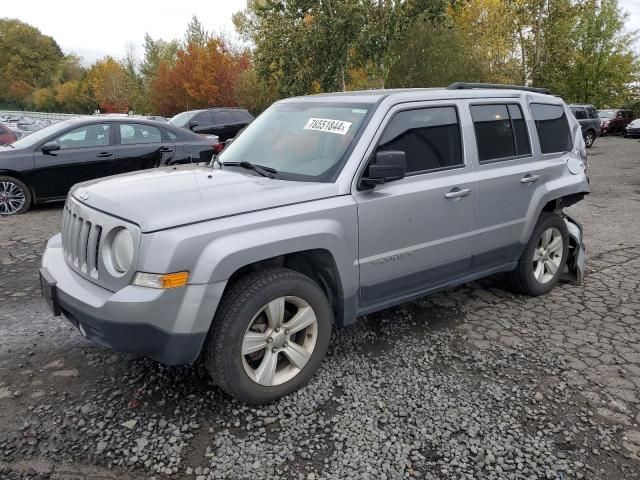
pixel 523 278
pixel 7 209
pixel 589 138
pixel 241 303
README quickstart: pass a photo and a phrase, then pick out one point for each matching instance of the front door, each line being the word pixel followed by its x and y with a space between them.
pixel 415 234
pixel 85 153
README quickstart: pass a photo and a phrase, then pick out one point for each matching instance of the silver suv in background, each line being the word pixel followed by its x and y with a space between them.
pixel 587 116
pixel 327 207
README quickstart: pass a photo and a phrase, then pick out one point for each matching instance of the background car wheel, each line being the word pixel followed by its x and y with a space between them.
pixel 269 336
pixel 15 197
pixel 543 260
pixel 589 138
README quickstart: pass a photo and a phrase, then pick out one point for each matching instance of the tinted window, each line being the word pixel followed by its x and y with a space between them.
pixel 591 112
pixel 94 135
pixel 182 119
pixel 223 118
pixel 203 119
pixel 242 116
pixel 429 137
pixel 501 132
pixel 553 128
pixel 579 113
pixel 132 133
pixel 172 136
pixel 523 147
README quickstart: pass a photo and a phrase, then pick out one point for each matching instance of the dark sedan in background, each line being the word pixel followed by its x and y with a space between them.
pixel 223 122
pixel 43 166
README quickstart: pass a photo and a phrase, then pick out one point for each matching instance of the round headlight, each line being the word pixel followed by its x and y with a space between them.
pixel 122 251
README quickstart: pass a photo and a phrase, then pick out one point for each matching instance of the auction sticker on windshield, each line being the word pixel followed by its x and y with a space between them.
pixel 327 125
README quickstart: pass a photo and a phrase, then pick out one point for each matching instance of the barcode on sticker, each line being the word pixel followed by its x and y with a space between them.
pixel 327 125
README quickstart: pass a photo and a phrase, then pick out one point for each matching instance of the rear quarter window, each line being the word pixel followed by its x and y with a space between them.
pixel 552 126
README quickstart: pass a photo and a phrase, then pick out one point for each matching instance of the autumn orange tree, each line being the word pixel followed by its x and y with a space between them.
pixel 202 76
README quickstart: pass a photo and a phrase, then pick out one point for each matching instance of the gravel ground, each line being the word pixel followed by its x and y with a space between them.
pixel 474 383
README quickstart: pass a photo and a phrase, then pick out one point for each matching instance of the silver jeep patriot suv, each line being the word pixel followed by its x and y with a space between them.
pixel 325 208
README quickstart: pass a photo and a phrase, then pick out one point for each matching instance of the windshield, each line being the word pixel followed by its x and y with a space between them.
pixel 302 140
pixel 40 135
pixel 181 119
pixel 606 114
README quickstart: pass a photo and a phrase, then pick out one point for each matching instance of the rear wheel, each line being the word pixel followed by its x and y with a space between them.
pixel 269 336
pixel 589 138
pixel 542 262
pixel 15 197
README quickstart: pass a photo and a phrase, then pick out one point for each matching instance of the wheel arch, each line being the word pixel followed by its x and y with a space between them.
pixel 23 179
pixel 318 264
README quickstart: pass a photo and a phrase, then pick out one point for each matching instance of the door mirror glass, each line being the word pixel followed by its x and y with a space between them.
pixel 387 166
pixel 193 125
pixel 50 147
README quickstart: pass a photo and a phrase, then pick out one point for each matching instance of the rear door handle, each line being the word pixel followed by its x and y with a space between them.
pixel 457 193
pixel 105 155
pixel 166 149
pixel 529 178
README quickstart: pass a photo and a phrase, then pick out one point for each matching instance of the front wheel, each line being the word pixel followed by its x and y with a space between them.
pixel 269 335
pixel 15 197
pixel 589 138
pixel 545 255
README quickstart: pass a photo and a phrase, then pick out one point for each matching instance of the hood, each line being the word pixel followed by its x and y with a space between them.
pixel 635 123
pixel 172 196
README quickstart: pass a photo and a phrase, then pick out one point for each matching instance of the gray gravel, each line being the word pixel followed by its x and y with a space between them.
pixel 475 383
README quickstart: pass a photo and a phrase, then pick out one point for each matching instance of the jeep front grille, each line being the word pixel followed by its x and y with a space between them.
pixel 81 242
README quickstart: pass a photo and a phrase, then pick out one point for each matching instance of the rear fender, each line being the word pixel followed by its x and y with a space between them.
pixel 577 257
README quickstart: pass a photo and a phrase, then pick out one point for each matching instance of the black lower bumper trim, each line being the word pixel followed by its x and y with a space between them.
pixel 141 339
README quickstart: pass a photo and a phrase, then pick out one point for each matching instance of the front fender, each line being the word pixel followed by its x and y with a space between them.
pixel 226 254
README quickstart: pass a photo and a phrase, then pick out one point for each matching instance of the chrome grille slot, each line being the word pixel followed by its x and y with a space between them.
pixel 81 242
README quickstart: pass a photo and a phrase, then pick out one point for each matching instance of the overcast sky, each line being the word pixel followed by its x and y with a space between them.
pixel 95 29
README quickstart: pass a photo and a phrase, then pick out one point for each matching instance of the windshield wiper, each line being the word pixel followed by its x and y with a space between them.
pixel 260 169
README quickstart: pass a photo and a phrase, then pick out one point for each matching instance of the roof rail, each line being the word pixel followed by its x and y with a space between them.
pixel 499 86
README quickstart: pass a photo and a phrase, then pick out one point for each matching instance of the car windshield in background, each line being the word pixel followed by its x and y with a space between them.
pixel 301 140
pixel 181 119
pixel 40 135
pixel 606 114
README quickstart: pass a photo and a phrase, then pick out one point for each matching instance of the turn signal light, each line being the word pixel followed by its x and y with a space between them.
pixel 163 281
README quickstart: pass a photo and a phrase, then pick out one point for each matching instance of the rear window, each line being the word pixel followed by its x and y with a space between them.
pixel 553 128
pixel 579 113
pixel 501 132
pixel 242 116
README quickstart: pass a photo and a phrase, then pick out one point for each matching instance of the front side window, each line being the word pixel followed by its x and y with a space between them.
pixel 553 128
pixel 501 132
pixel 94 135
pixel 134 133
pixel 429 137
pixel 304 141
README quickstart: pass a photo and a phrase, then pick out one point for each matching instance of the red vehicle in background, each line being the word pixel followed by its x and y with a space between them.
pixel 614 121
pixel 6 135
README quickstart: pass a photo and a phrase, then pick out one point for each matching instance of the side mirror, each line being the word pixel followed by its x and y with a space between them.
pixel 386 167
pixel 193 125
pixel 49 147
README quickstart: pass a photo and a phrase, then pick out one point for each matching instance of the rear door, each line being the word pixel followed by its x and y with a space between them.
pixel 514 169
pixel 225 124
pixel 141 146
pixel 86 152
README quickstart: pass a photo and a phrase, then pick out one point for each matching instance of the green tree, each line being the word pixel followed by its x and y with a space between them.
pixel 605 68
pixel 29 60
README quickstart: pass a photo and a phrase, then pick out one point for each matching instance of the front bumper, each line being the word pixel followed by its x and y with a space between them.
pixel 169 326
pixel 632 132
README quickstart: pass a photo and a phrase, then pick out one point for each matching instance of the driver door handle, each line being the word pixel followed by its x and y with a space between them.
pixel 457 193
pixel 528 178
pixel 105 155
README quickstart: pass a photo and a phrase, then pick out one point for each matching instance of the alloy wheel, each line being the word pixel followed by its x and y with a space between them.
pixel 12 198
pixel 548 255
pixel 589 139
pixel 279 341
